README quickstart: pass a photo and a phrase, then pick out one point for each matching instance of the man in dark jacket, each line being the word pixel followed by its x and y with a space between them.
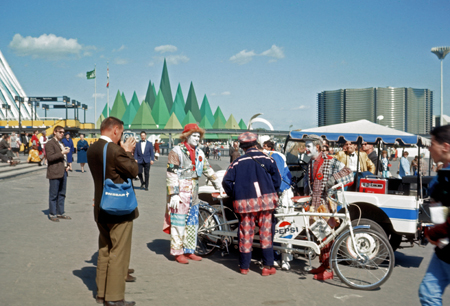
pixel 115 231
pixel 437 277
pixel 145 156
pixel 57 174
pixel 253 180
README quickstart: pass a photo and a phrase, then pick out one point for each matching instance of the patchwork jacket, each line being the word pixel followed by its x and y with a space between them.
pixel 252 186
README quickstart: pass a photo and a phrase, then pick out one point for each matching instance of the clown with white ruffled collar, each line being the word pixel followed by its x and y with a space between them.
pixel 186 164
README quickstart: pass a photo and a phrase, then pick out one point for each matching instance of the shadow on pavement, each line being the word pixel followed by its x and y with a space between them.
pixel 87 275
pixel 407 261
pixel 160 247
pixel 46 211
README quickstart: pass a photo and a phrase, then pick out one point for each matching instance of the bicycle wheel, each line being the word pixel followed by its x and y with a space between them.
pixel 206 245
pixel 368 270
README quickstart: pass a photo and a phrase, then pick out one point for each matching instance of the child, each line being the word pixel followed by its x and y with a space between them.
pixel 33 156
pixel 384 164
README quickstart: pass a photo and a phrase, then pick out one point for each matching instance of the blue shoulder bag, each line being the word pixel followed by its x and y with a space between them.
pixel 117 199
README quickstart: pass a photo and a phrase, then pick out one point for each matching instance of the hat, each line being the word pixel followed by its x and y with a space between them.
pixel 312 137
pixel 247 137
pixel 189 129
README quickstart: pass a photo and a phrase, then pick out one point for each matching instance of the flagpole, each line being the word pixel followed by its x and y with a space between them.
pixel 107 90
pixel 95 95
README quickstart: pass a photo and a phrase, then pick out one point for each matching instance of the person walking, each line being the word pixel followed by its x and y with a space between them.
pixel 144 156
pixel 42 141
pixel 115 232
pixel 68 142
pixel 57 174
pixel 437 277
pixel 186 164
pixel 15 143
pixel 404 165
pixel 26 143
pixel 384 164
pixel 253 181
pixel 156 147
pixel 82 147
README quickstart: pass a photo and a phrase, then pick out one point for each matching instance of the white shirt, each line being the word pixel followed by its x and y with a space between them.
pixel 42 141
pixel 352 161
pixel 106 138
pixel 143 146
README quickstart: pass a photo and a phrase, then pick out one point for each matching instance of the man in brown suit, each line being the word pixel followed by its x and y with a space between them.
pixel 57 174
pixel 349 157
pixel 115 231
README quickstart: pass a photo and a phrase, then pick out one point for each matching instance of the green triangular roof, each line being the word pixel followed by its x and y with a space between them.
pixel 164 87
pixel 205 110
pixel 188 119
pixel 219 124
pixel 105 111
pixel 173 123
pixel 205 123
pixel 135 101
pixel 124 100
pixel 178 109
pixel 129 115
pixel 150 97
pixel 219 113
pixel 119 107
pixel 179 97
pixel 159 111
pixel 99 121
pixel 192 104
pixel 242 125
pixel 232 123
pixel 143 118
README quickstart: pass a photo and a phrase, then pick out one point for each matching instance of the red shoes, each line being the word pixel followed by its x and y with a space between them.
pixel 193 257
pixel 266 272
pixel 318 270
pixel 183 259
pixel 244 271
pixel 324 275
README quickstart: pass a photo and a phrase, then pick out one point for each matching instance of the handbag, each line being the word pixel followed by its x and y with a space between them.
pixel 117 199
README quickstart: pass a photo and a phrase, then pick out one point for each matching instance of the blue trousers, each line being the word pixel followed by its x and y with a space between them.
pixel 57 195
pixel 434 282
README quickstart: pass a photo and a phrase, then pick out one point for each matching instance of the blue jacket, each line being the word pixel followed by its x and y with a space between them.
pixel 252 188
pixel 147 155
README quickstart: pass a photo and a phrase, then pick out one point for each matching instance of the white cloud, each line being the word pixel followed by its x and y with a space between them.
pixel 98 95
pixel 47 46
pixel 166 48
pixel 120 61
pixel 151 64
pixel 300 107
pixel 225 93
pixel 81 75
pixel 171 59
pixel 243 57
pixel 275 52
pixel 120 49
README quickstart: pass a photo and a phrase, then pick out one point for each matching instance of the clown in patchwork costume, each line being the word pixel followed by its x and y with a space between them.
pixel 323 172
pixel 185 166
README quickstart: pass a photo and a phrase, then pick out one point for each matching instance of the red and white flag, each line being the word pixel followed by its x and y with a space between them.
pixel 107 75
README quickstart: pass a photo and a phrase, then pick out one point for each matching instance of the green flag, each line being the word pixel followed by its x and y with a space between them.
pixel 90 74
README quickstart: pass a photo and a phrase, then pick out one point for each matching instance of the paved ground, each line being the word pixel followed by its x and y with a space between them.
pixel 48 263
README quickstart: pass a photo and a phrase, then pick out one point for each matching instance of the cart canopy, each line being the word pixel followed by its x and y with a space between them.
pixel 364 131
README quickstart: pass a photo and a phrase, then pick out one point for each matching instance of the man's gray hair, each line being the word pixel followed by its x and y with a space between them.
pixel 315 139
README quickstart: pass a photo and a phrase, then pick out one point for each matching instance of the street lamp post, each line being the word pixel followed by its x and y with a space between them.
pixel 6 107
pixel 84 107
pixel 45 107
pixel 19 100
pixel 441 52
pixel 66 100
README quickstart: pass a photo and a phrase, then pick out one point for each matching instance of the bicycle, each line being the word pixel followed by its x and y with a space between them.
pixel 362 258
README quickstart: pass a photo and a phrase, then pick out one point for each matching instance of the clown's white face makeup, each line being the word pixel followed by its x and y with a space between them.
pixel 311 149
pixel 194 139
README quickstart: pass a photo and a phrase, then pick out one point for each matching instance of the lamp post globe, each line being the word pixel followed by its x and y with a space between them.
pixel 441 52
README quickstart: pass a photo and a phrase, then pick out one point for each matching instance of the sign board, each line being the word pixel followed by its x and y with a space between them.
pixel 45 99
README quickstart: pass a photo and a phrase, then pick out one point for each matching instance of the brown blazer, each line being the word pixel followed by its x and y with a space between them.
pixel 120 166
pixel 55 169
pixel 365 164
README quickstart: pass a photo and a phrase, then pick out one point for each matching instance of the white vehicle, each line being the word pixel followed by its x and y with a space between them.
pixel 393 206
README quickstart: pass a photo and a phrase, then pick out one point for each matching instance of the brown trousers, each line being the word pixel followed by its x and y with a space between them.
pixel 114 248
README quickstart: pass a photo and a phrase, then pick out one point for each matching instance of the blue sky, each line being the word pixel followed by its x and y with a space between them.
pixel 269 57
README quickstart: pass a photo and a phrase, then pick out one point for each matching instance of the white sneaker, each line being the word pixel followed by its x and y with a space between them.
pixel 285 266
pixel 276 264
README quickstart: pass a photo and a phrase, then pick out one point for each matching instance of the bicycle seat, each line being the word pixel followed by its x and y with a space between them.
pixel 301 199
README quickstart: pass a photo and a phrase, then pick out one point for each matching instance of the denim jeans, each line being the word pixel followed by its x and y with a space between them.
pixel 57 195
pixel 434 282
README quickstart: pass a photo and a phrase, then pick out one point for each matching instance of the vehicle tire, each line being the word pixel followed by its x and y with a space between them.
pixel 369 271
pixel 373 225
pixel 395 240
pixel 207 222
